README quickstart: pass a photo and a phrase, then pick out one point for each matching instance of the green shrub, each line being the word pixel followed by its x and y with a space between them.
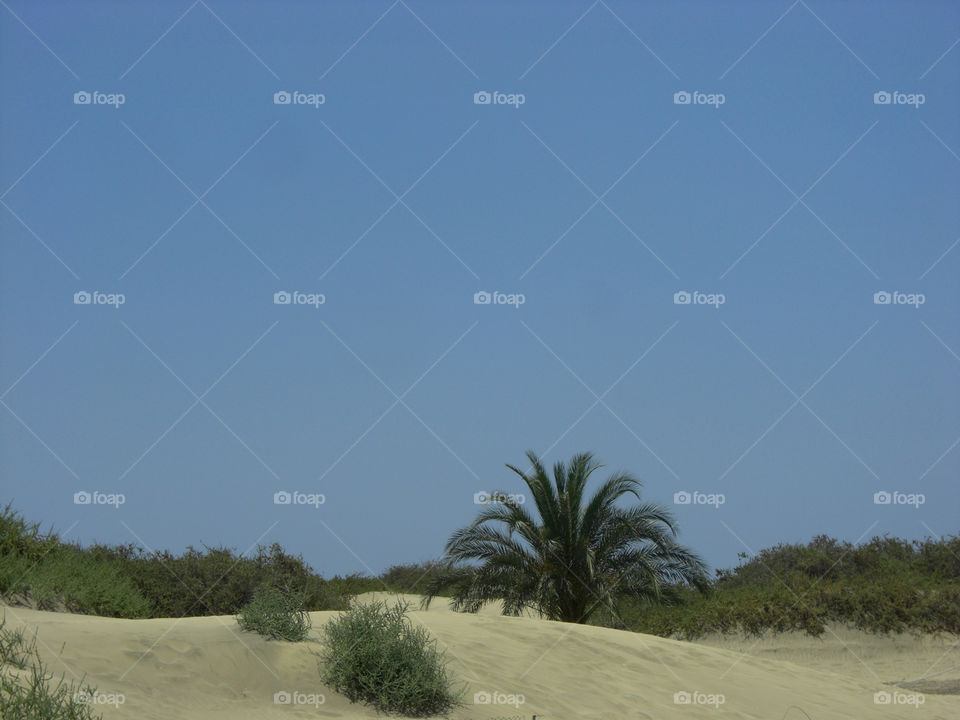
pixel 345 587
pixel 882 586
pixel 126 581
pixel 413 577
pixel 20 538
pixel 28 691
pixel 276 614
pixel 53 575
pixel 216 581
pixel 84 583
pixel 373 654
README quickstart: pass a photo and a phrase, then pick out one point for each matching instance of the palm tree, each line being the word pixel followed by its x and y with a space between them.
pixel 578 556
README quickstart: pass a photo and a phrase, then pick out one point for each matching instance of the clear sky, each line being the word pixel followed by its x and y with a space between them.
pixel 586 193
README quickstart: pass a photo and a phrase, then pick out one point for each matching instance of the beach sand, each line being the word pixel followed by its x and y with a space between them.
pixel 205 668
pixel 852 653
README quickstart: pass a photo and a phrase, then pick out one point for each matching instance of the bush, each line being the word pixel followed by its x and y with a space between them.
pixel 20 538
pixel 885 585
pixel 216 581
pixel 373 654
pixel 49 574
pixel 276 614
pixel 355 584
pixel 412 578
pixel 39 569
pixel 29 692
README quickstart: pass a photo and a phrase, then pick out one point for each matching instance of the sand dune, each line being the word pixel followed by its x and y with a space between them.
pixel 871 658
pixel 205 668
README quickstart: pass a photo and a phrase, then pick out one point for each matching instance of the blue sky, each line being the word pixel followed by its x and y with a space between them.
pixel 782 198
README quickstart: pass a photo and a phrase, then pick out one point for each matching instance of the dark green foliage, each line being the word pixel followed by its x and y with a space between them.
pixel 347 586
pixel 882 586
pixel 50 574
pixel 22 539
pixel 126 581
pixel 414 577
pixel 374 654
pixel 276 614
pixel 217 581
pixel 569 554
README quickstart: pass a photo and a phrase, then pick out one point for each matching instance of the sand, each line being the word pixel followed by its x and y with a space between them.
pixel 885 659
pixel 205 668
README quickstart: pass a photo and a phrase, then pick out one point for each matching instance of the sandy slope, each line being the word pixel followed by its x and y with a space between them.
pixel 871 658
pixel 205 668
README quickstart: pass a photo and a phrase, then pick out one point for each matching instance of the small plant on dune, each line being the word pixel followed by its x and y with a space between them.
pixel 13 647
pixel 375 655
pixel 276 614
pixel 28 691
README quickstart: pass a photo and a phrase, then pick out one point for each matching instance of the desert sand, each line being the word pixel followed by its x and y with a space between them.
pixel 205 668
pixel 897 658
